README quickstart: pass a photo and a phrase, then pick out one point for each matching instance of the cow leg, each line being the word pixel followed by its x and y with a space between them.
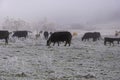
pixel 111 43
pixel 118 42
pixel 58 43
pixel 6 41
pixel 53 43
pixel 65 43
pixel 69 43
pixel 104 42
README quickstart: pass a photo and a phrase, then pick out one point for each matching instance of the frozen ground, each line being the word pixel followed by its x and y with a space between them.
pixel 33 60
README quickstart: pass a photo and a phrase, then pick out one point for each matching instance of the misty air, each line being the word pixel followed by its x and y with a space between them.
pixel 59 40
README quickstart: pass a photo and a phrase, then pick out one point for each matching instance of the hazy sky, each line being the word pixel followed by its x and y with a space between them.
pixel 62 11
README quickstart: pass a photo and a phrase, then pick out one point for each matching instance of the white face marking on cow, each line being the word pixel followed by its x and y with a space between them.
pixel 48 43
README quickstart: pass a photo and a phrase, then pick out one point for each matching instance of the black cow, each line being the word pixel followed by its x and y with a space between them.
pixel 46 34
pixel 111 40
pixel 60 37
pixel 20 34
pixel 4 35
pixel 94 35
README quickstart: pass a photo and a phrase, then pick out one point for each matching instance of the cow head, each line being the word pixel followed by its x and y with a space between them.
pixel 48 42
pixel 82 38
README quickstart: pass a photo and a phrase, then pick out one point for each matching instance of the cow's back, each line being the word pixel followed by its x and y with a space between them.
pixel 4 34
pixel 20 34
pixel 61 36
pixel 87 35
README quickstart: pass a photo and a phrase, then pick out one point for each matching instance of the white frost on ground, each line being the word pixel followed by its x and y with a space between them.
pixel 33 60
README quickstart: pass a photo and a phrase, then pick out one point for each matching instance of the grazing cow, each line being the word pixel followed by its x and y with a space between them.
pixel 20 34
pixel 60 37
pixel 111 40
pixel 46 34
pixel 94 35
pixel 4 35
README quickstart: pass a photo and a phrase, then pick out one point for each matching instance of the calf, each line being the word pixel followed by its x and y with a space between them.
pixel 4 35
pixel 64 36
pixel 111 40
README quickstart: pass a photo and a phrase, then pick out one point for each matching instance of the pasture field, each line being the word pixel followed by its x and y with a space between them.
pixel 32 60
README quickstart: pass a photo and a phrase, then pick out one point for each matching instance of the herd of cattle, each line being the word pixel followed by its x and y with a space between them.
pixel 58 37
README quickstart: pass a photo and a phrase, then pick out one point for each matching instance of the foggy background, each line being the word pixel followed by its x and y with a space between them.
pixel 51 14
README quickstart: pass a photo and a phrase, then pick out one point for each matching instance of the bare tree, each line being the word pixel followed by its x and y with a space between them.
pixel 15 24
